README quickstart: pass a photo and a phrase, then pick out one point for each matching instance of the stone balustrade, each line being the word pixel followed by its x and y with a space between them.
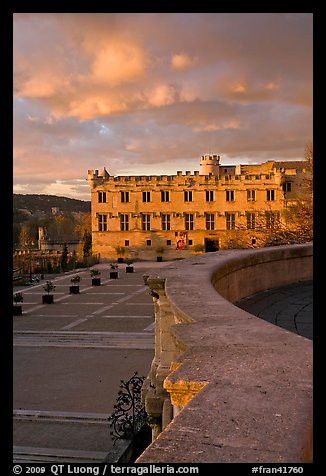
pixel 224 385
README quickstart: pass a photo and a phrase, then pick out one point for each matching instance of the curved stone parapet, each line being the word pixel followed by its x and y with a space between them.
pixel 226 386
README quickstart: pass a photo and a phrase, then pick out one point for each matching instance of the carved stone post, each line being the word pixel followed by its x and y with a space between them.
pixel 154 394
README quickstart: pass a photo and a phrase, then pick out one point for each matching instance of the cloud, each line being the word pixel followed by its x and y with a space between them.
pixel 151 91
pixel 211 127
pixel 182 61
pixel 238 87
pixel 272 85
pixel 118 62
pixel 161 95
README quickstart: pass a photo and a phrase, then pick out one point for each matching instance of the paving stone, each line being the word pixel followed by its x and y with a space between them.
pixel 290 307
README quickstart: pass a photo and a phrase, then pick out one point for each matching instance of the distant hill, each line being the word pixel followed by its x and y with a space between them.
pixel 44 203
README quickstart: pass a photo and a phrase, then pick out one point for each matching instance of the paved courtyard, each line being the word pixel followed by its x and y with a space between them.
pixel 69 358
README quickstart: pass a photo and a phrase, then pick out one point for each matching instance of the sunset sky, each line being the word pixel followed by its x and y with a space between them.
pixel 149 93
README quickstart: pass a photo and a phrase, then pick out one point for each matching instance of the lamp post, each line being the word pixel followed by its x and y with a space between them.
pixel 30 262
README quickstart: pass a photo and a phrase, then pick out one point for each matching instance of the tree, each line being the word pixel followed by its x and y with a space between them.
pixel 84 222
pixel 87 244
pixel 293 224
pixel 64 257
pixel 26 236
pixel 299 212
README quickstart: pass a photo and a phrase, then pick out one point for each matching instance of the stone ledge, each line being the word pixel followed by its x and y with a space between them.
pixel 249 382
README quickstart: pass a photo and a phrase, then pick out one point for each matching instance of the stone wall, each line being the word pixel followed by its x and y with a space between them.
pixel 226 386
pixel 144 212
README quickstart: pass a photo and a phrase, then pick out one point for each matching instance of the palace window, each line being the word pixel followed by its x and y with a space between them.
pixel 189 221
pixel 209 195
pixel 146 196
pixel 229 195
pixel 188 196
pixel 145 221
pixel 230 221
pixel 251 220
pixel 272 219
pixel 165 196
pixel 124 222
pixel 210 221
pixel 166 221
pixel 251 195
pixel 125 197
pixel 102 222
pixel 270 195
pixel 127 243
pixel 101 196
pixel 287 186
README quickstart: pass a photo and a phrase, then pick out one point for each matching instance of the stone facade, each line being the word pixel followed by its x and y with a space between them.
pixel 145 216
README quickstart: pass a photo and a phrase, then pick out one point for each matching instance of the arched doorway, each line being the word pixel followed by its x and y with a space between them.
pixel 211 245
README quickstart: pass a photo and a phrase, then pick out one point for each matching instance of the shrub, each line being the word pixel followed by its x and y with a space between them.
pixel 48 287
pixel 18 297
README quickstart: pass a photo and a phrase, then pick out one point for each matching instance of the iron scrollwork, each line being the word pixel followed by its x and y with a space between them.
pixel 129 415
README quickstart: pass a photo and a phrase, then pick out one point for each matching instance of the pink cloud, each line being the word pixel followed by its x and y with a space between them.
pixel 136 89
pixel 182 61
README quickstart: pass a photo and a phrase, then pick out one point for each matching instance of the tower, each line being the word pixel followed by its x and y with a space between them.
pixel 209 164
pixel 95 178
pixel 42 236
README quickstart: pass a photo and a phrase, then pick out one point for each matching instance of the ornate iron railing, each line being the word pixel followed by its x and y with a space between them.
pixel 129 415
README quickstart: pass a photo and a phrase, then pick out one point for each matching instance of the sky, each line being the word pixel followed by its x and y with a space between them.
pixel 149 93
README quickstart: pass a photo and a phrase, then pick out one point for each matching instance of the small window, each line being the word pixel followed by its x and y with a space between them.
pixel 210 221
pixel 190 242
pixel 287 186
pixel 251 221
pixel 148 242
pixel 101 197
pixel 270 194
pixel 230 221
pixel 166 221
pixel 272 219
pixel 251 195
pixel 145 221
pixel 169 242
pixel 188 196
pixel 209 195
pixel 189 221
pixel 125 197
pixel 126 242
pixel 253 241
pixel 102 223
pixel 165 196
pixel 229 195
pixel 124 222
pixel 146 196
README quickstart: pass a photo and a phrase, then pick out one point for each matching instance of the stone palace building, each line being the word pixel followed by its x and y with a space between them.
pixel 144 216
